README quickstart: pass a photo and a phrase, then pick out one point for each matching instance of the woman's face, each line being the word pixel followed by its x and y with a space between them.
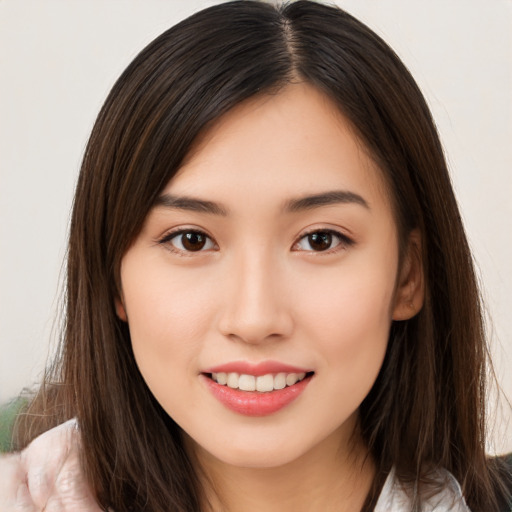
pixel 270 257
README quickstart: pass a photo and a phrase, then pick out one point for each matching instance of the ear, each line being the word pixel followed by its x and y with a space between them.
pixel 410 290
pixel 120 309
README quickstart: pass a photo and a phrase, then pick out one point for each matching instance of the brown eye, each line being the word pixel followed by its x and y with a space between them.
pixel 189 241
pixel 320 241
pixel 193 241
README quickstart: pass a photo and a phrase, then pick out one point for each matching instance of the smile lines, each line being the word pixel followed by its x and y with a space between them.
pixel 262 383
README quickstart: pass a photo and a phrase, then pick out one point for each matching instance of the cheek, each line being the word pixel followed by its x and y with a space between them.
pixel 168 317
pixel 350 328
pixel 348 314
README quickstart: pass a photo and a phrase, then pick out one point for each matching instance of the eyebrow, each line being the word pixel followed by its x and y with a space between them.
pixel 324 199
pixel 190 204
pixel 293 205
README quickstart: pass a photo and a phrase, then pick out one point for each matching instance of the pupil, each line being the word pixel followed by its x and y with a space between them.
pixel 320 241
pixel 193 241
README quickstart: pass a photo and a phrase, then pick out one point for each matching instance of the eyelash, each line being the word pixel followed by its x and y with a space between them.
pixel 343 241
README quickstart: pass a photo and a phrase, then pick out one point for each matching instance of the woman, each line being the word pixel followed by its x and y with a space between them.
pixel 270 297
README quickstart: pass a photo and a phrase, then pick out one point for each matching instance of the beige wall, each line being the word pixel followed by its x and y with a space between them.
pixel 59 59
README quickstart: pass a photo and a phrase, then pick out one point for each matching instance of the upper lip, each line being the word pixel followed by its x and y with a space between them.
pixel 256 369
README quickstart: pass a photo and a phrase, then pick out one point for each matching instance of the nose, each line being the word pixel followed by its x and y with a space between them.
pixel 256 306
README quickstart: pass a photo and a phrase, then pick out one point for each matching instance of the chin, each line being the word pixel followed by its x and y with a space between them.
pixel 259 451
pixel 259 459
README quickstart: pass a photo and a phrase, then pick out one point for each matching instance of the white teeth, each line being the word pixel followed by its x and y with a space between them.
pixel 232 381
pixel 280 381
pixel 247 383
pixel 265 383
pixel 291 379
pixel 262 383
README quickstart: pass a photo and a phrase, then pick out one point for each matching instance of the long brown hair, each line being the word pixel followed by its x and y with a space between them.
pixel 427 407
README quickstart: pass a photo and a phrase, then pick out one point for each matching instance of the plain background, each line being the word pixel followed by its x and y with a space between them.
pixel 58 60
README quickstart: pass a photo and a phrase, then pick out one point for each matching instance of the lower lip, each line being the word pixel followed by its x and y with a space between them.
pixel 254 403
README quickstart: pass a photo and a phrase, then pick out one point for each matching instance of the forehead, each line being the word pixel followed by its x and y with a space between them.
pixel 292 143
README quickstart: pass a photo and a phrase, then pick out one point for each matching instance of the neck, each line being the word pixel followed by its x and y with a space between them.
pixel 333 476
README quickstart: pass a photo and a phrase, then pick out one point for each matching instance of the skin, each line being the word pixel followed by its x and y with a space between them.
pixel 259 290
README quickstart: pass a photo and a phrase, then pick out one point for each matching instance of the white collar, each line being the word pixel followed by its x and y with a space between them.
pixel 396 497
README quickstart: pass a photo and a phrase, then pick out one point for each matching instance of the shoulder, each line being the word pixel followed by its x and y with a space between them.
pixel 47 473
pixel 44 458
pixel 58 439
pixel 398 497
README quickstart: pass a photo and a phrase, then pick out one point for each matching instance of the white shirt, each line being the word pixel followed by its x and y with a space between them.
pixel 395 497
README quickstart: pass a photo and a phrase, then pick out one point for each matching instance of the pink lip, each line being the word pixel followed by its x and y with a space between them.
pixel 258 369
pixel 254 403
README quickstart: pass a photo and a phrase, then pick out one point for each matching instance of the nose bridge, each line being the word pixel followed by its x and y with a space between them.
pixel 256 308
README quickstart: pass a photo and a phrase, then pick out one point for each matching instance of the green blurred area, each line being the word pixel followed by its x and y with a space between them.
pixel 8 413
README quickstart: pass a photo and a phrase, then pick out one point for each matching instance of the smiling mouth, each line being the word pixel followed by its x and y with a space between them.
pixel 262 383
